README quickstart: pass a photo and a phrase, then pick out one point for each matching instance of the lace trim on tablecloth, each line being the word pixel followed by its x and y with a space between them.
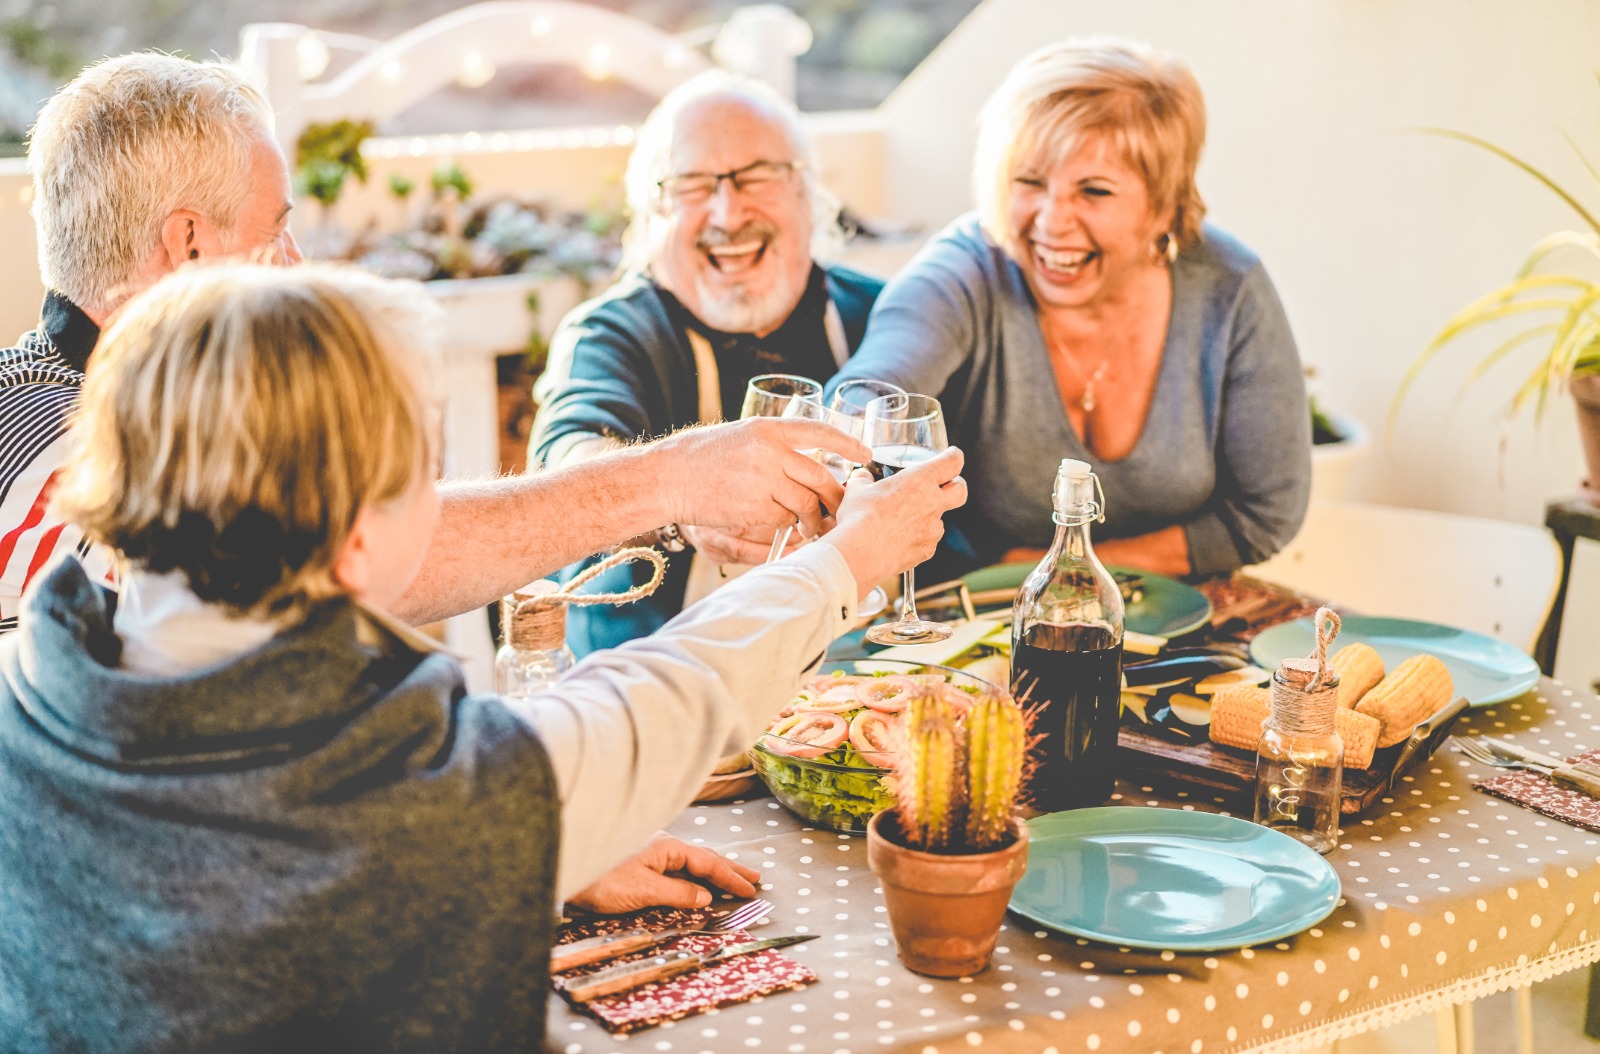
pixel 1487 983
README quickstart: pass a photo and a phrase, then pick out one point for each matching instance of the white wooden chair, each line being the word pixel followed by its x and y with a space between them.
pixel 1489 576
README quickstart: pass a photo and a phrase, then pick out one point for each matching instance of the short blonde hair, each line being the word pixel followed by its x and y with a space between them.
pixel 238 417
pixel 652 156
pixel 1146 102
pixel 127 143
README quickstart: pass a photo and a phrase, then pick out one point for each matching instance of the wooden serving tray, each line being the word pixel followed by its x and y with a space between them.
pixel 1231 773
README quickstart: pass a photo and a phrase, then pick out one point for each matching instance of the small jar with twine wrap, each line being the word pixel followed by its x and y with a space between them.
pixel 534 623
pixel 1300 759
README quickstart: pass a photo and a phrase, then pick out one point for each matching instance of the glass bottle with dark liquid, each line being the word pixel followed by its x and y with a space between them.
pixel 1066 653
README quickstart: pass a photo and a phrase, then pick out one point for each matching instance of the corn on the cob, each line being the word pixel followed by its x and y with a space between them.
pixel 1413 690
pixel 1360 735
pixel 1237 714
pixel 1359 668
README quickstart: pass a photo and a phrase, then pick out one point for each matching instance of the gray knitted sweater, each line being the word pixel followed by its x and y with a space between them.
pixel 1226 449
pixel 322 845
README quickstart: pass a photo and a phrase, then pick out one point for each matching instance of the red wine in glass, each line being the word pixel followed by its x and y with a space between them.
pixel 887 460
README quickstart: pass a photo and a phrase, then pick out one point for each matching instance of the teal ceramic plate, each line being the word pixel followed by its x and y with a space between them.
pixel 1170 880
pixel 1167 608
pixel 1485 670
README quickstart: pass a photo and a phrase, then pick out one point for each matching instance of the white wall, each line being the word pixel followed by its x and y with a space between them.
pixel 1373 234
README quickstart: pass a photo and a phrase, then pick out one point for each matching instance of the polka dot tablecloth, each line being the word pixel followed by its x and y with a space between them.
pixel 1449 894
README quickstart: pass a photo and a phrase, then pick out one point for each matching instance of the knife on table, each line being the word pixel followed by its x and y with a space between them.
pixel 614 979
pixel 1584 777
pixel 1420 735
pixel 610 946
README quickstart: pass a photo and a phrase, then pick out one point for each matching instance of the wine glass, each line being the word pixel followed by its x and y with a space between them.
pixel 852 397
pixel 771 395
pixel 840 468
pixel 902 431
pixel 768 394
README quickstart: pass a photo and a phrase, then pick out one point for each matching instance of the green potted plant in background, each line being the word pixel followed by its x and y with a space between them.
pixel 954 845
pixel 1558 310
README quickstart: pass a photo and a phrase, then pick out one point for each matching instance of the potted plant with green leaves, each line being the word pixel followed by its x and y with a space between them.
pixel 1554 307
pixel 954 845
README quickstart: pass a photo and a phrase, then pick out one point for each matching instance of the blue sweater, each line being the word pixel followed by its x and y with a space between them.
pixel 322 845
pixel 621 366
pixel 1225 452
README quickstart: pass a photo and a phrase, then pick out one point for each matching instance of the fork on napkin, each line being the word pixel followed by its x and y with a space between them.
pixel 1536 791
pixel 718 985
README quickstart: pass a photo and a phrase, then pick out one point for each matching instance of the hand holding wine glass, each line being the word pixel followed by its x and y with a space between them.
pixel 884 527
pixel 766 395
pixel 840 468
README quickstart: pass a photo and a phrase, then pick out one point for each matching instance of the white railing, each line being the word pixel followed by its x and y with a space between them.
pixel 468 46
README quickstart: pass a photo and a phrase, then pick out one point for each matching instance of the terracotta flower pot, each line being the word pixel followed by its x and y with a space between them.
pixel 1586 393
pixel 945 909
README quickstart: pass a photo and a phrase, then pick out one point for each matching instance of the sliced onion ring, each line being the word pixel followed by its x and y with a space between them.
pixel 889 694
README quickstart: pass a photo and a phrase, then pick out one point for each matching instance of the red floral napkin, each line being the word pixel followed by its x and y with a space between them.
pixel 1539 792
pixel 722 984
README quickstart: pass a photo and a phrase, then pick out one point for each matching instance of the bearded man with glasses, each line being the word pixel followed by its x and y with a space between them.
pixel 727 217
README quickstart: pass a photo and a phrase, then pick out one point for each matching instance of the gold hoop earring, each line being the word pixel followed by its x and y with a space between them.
pixel 1165 248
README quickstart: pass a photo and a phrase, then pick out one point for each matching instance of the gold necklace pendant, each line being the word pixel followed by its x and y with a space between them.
pixel 1088 401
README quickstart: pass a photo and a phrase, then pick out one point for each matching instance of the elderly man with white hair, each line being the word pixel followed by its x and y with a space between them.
pixel 147 162
pixel 727 215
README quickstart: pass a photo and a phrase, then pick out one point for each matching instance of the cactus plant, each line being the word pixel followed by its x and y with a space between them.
pixel 958 783
pixel 997 749
pixel 924 790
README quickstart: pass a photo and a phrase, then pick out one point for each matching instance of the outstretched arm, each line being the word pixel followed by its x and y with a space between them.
pixel 495 536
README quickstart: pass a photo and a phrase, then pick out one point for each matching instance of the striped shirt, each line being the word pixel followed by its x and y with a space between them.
pixel 40 381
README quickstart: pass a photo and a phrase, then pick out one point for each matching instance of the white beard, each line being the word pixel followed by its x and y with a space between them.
pixel 737 310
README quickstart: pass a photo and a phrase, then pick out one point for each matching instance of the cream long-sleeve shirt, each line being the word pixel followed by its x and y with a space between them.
pixel 632 732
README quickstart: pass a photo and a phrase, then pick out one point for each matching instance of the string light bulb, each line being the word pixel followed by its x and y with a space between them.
pixel 476 71
pixel 311 56
pixel 597 66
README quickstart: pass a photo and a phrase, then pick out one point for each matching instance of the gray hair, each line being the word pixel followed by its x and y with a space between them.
pixel 652 156
pixel 128 142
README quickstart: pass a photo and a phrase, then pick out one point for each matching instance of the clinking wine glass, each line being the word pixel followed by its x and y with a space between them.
pixel 769 394
pixel 853 397
pixel 904 430
pixel 840 468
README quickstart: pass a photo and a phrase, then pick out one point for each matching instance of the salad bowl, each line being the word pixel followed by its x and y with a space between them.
pixel 829 769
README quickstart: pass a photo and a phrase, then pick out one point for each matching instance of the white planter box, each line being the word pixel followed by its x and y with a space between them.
pixel 1331 462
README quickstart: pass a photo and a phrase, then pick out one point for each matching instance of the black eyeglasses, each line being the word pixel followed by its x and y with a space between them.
pixel 694 188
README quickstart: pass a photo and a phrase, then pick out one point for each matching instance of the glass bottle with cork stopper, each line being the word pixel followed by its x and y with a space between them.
pixel 1066 652
pixel 535 652
pixel 1300 758
pixel 534 619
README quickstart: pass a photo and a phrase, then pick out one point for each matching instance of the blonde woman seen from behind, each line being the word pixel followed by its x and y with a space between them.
pixel 245 808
